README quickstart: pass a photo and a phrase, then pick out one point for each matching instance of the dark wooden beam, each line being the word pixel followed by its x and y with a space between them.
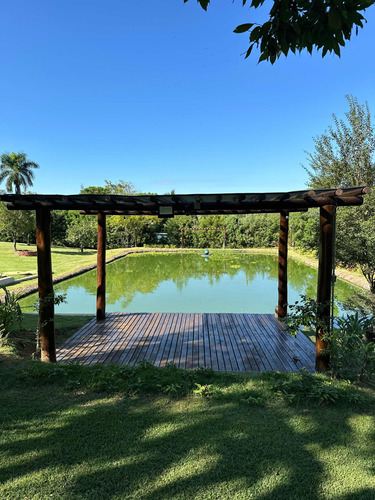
pixel 140 205
pixel 326 248
pixel 100 292
pixel 45 286
pixel 282 306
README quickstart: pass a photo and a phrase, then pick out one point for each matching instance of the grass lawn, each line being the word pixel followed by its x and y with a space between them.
pixel 64 260
pixel 109 432
pixel 114 433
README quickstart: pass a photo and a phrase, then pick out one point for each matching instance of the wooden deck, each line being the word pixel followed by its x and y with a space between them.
pixel 224 342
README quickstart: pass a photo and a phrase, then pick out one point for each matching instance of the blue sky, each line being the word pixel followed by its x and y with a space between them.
pixel 157 93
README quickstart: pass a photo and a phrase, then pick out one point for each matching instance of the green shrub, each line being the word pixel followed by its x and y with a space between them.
pixel 10 314
pixel 352 355
pixel 304 388
pixel 304 314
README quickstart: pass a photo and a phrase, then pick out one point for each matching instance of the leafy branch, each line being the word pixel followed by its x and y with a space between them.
pixel 295 25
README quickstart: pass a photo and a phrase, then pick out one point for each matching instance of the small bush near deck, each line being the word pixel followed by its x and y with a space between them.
pixel 10 314
pixel 352 355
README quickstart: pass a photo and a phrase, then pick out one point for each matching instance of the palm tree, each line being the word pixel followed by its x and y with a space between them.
pixel 16 169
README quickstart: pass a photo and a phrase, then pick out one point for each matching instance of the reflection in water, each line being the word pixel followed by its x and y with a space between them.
pixel 190 283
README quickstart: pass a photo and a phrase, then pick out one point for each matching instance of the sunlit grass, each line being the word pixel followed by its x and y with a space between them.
pixel 64 260
pixel 59 444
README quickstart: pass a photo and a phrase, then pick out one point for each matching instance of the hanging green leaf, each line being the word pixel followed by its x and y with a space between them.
pixel 243 27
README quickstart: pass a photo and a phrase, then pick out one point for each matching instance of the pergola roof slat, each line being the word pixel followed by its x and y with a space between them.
pixel 190 203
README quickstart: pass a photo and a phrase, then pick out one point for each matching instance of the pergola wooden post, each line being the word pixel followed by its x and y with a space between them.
pixel 100 291
pixel 282 307
pixel 45 285
pixel 325 274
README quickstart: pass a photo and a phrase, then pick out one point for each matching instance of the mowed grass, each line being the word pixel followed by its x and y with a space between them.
pixel 69 431
pixel 64 260
pixel 105 432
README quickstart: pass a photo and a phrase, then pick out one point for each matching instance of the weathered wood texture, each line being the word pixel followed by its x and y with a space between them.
pixel 282 306
pixel 45 285
pixel 100 291
pixel 326 248
pixel 193 204
pixel 224 342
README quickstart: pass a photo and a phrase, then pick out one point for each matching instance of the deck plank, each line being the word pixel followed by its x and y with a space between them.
pixel 206 341
pixel 267 344
pixel 286 345
pixel 233 340
pixel 174 340
pixel 226 346
pixel 154 339
pixel 247 338
pixel 222 341
pixel 126 331
pixel 263 347
pixel 201 359
pixel 137 333
pixel 171 336
pixel 142 346
pixel 109 345
pixel 213 345
pixel 237 335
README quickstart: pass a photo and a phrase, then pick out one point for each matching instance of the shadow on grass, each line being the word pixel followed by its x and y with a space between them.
pixel 95 446
pixel 73 251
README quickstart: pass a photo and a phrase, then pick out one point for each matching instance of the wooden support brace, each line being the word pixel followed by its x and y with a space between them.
pixel 45 286
pixel 100 293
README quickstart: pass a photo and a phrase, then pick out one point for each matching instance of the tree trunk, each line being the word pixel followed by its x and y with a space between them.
pixel 81 249
pixel 15 242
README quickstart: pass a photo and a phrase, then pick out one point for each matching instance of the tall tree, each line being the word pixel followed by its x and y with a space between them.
pixel 16 223
pixel 17 170
pixel 295 25
pixel 344 155
pixel 82 233
pixel 121 187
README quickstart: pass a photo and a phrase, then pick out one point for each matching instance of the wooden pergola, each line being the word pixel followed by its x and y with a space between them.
pixel 165 206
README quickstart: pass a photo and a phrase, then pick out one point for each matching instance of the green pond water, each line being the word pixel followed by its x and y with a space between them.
pixel 225 282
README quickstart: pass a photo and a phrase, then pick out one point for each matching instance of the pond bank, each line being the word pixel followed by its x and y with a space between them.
pixel 343 274
pixel 28 290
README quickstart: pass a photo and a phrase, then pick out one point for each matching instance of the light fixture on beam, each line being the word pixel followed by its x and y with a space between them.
pixel 165 211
